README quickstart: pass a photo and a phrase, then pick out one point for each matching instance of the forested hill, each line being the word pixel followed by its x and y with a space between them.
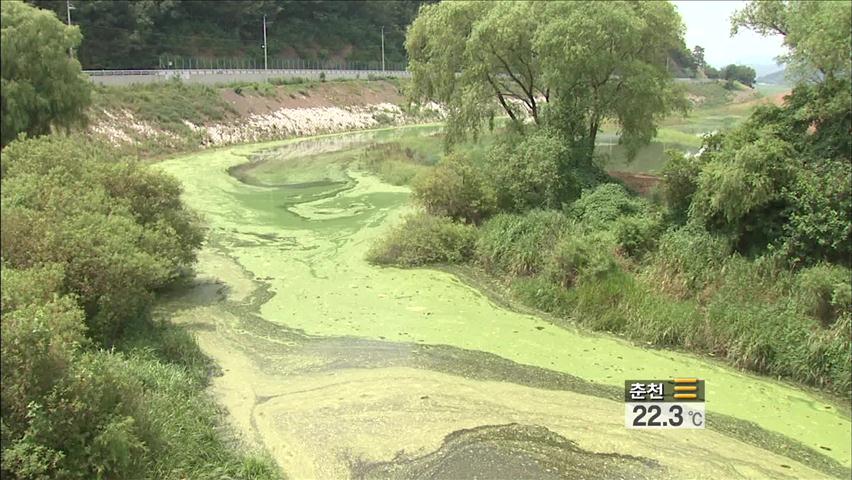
pixel 136 34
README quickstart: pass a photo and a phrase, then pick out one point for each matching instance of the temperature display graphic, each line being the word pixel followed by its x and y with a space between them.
pixel 676 403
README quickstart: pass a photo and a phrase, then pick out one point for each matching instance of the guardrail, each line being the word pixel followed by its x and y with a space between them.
pixel 228 75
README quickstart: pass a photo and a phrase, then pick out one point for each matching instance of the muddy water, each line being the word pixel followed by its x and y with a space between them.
pixel 340 369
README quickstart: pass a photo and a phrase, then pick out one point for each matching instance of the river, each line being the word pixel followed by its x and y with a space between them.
pixel 340 369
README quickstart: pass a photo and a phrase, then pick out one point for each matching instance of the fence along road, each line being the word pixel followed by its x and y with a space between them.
pixel 223 76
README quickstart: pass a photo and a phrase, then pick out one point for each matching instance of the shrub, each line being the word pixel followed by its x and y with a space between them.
pixel 532 171
pixel 116 229
pixel 518 244
pixel 637 235
pixel 455 188
pixel 687 259
pixel 424 239
pixel 680 180
pixel 825 292
pixel 599 207
pixel 579 258
pixel 119 416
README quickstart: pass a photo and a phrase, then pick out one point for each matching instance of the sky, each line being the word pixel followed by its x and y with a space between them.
pixel 708 24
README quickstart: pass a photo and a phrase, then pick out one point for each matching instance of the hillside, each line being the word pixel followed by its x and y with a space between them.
pixel 775 78
pixel 129 34
pixel 162 118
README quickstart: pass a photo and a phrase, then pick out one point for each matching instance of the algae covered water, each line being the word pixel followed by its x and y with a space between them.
pixel 341 369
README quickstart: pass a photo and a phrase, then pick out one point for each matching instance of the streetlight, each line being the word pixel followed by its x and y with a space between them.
pixel 68 8
pixel 265 49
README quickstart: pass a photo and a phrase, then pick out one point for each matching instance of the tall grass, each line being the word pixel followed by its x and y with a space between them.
pixel 690 294
pixel 166 104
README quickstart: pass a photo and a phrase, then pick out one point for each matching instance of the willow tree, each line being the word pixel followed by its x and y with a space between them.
pixel 569 65
pixel 40 85
pixel 816 34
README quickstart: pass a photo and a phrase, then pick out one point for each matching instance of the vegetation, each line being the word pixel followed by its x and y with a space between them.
pixel 551 61
pixel 91 387
pixel 167 104
pixel 41 86
pixel 739 73
pixel 425 239
pixel 130 34
pixel 744 254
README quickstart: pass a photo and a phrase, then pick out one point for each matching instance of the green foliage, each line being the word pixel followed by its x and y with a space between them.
pixel 85 238
pixel 456 188
pixel 117 229
pixel 130 34
pixel 120 416
pixel 688 259
pixel 518 245
pixel 169 104
pixel 40 86
pixel 739 73
pixel 39 338
pixel 817 34
pixel 772 183
pixel 598 208
pixel 424 239
pixel 394 163
pixel 579 258
pixel 826 292
pixel 637 235
pixel 534 171
pixel 680 181
pixel 475 57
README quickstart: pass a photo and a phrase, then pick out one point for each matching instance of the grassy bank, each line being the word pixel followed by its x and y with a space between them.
pixel 169 117
pixel 714 263
pixel 91 387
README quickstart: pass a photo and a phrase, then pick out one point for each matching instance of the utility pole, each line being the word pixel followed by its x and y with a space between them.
pixel 68 8
pixel 265 49
pixel 383 48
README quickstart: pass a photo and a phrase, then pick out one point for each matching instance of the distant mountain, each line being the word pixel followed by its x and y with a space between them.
pixel 775 78
pixel 763 68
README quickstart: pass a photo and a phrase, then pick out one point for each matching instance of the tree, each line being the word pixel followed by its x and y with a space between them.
pixel 698 55
pixel 741 73
pixel 780 181
pixel 816 34
pixel 41 86
pixel 712 72
pixel 591 62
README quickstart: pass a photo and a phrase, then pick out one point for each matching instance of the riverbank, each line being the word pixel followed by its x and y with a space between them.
pixel 308 334
pixel 162 119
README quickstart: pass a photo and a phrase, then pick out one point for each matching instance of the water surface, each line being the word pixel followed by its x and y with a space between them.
pixel 341 369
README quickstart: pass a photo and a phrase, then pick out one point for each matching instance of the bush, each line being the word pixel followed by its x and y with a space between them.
pixel 119 416
pixel 598 208
pixel 116 229
pixel 637 235
pixel 456 188
pixel 518 244
pixel 687 259
pixel 85 240
pixel 825 292
pixel 579 258
pixel 533 171
pixel 680 180
pixel 424 239
pixel 629 220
